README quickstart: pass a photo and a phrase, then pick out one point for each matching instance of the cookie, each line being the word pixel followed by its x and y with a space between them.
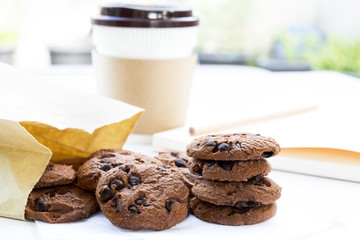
pixel 74 162
pixel 229 170
pixel 233 216
pixel 146 196
pixel 256 191
pixel 56 175
pixel 60 204
pixel 179 162
pixel 237 146
pixel 103 160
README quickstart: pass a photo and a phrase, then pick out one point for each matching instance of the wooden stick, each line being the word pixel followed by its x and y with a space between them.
pixel 200 130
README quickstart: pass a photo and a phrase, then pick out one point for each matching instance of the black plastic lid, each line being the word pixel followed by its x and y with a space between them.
pixel 145 16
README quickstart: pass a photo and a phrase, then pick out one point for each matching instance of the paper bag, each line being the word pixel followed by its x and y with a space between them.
pixel 39 119
pixel 22 161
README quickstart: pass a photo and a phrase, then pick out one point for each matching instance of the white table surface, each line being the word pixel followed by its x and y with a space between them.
pixel 310 207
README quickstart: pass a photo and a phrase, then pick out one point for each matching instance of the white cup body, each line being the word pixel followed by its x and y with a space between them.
pixel 144 43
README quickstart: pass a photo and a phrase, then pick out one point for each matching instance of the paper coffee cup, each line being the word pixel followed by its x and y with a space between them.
pixel 144 56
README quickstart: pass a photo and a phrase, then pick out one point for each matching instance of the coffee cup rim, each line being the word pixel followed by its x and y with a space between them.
pixel 145 16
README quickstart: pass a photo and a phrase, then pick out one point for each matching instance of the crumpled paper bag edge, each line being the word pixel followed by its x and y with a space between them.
pixel 108 134
pixel 45 152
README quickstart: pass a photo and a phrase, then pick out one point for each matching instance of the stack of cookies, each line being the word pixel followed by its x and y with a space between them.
pixel 233 189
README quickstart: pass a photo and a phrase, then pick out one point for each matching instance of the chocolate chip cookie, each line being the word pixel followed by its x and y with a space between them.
pixel 179 162
pixel 234 216
pixel 256 191
pixel 103 160
pixel 237 146
pixel 145 196
pixel 229 170
pixel 56 175
pixel 60 204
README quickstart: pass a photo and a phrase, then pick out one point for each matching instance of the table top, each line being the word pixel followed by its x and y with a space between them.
pixel 310 207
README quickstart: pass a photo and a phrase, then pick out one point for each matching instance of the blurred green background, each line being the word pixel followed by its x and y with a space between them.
pixel 278 35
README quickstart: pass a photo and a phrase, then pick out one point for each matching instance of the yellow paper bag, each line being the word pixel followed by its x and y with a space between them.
pixel 39 119
pixel 22 162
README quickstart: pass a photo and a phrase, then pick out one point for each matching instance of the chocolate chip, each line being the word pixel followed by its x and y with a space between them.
pixel 180 163
pixel 241 204
pixel 52 194
pixel 232 213
pixel 106 167
pixel 124 168
pixel 140 201
pixel 118 184
pixel 134 181
pixel 114 202
pixel 108 155
pixel 214 150
pixel 225 165
pixel 168 205
pixel 210 144
pixel 162 170
pixel 242 210
pixel 238 145
pixel 41 205
pixel 260 184
pixel 105 194
pixel 174 154
pixel 222 147
pixel 257 178
pixel 267 154
pixel 209 163
pixel 197 169
pixel 133 210
pixel 252 204
pixel 257 181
